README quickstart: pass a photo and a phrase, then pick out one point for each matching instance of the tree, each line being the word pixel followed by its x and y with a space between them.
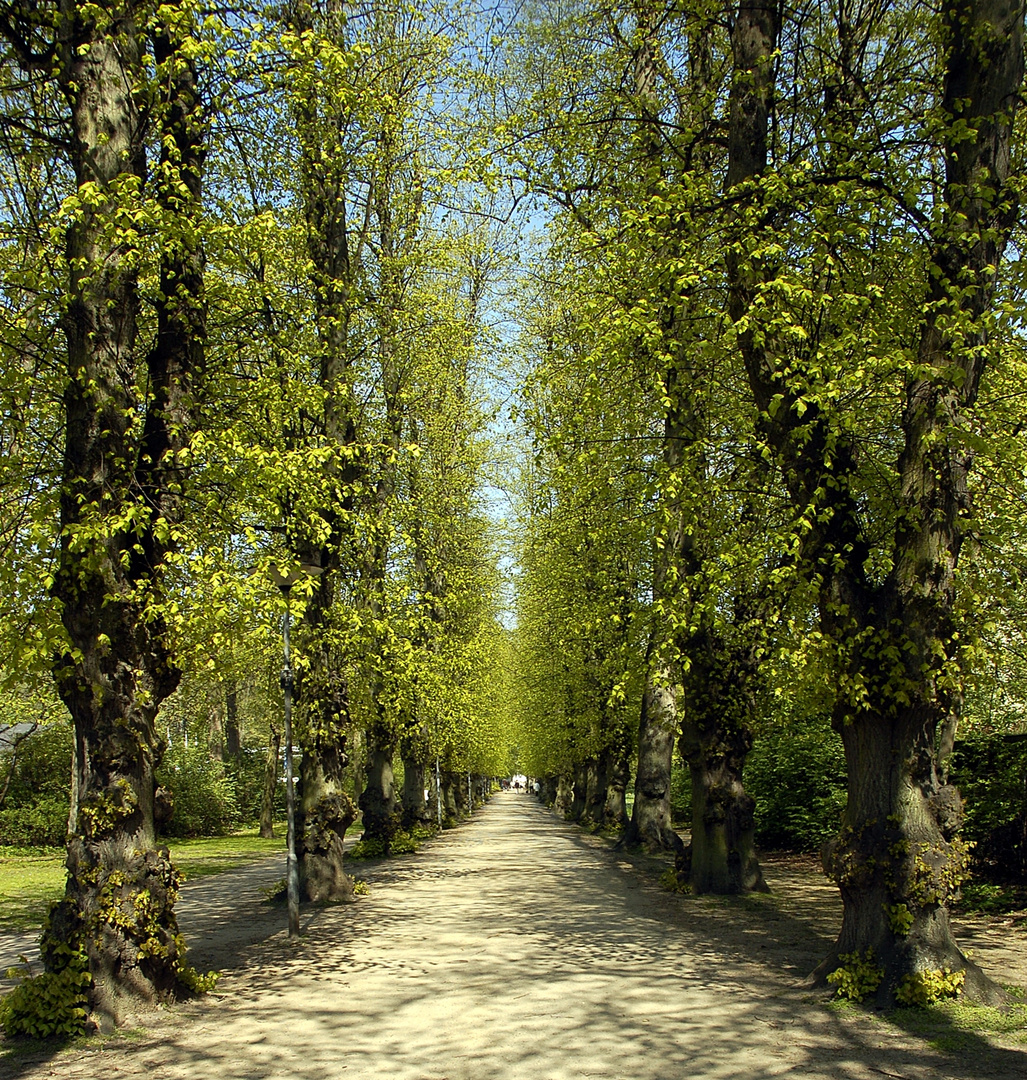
pixel 129 388
pixel 882 556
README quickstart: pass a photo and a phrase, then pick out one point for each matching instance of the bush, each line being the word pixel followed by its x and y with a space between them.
pixel 202 794
pixel 857 977
pixel 41 823
pixel 47 1005
pixel 991 774
pixel 680 794
pixel 247 776
pixel 797 777
pixel 35 811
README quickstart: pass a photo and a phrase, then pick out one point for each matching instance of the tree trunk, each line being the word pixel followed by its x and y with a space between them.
pixel 897 859
pixel 435 796
pixel 595 795
pixel 359 744
pixel 324 813
pixel 719 705
pixel 414 750
pixel 121 481
pixel 615 809
pixel 270 786
pixel 650 823
pixel 564 799
pixel 450 796
pixel 721 857
pixel 233 741
pixel 414 805
pixel 378 800
pixel 579 791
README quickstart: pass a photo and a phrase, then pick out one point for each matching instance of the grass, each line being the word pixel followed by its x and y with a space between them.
pixel 29 883
pixel 955 1026
pixel 31 880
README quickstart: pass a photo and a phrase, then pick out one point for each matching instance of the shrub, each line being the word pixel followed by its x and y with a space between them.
pixel 797 776
pixel 247 776
pixel 991 774
pixel 680 793
pixel 202 794
pixel 53 1003
pixel 43 822
pixel 924 988
pixel 35 811
pixel 857 976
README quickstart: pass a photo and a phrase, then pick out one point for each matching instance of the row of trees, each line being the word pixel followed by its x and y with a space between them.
pixel 242 332
pixel 245 292
pixel 776 323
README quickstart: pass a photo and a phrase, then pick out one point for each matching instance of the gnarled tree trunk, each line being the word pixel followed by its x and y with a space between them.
pixel 324 814
pixel 715 740
pixel 564 799
pixel 615 807
pixel 650 823
pixel 121 481
pixel 378 800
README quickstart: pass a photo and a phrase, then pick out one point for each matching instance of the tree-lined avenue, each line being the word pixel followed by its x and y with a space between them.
pixel 518 946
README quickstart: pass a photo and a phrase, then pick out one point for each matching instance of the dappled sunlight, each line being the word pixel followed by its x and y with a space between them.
pixel 517 947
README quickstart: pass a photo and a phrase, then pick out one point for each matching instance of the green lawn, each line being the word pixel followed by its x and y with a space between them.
pixel 30 882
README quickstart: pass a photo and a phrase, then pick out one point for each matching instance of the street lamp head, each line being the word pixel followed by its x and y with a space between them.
pixel 286 578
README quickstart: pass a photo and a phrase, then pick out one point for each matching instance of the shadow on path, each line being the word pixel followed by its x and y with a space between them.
pixel 517 947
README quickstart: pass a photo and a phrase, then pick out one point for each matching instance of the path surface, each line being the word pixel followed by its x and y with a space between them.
pixel 518 948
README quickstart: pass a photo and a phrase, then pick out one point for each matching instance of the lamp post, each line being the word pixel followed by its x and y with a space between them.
pixel 285 581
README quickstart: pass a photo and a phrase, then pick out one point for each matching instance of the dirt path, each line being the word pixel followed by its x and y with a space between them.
pixel 518 948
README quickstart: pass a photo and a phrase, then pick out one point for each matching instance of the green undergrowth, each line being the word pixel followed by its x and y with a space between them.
pixel 670 882
pixel 403 843
pixel 956 1026
pixel 49 1005
pixel 989 899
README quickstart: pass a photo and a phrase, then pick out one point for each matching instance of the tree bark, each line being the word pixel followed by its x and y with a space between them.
pixel 898 858
pixel 615 808
pixel 650 823
pixel 378 800
pixel 715 739
pixel 450 797
pixel 324 814
pixel 413 750
pixel 270 786
pixel 121 482
pixel 579 790
pixel 564 795
pixel 595 794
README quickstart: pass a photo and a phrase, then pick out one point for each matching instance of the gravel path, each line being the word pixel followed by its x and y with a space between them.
pixel 518 948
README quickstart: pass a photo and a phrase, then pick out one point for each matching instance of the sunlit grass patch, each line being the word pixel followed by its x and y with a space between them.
pixel 955 1026
pixel 31 880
